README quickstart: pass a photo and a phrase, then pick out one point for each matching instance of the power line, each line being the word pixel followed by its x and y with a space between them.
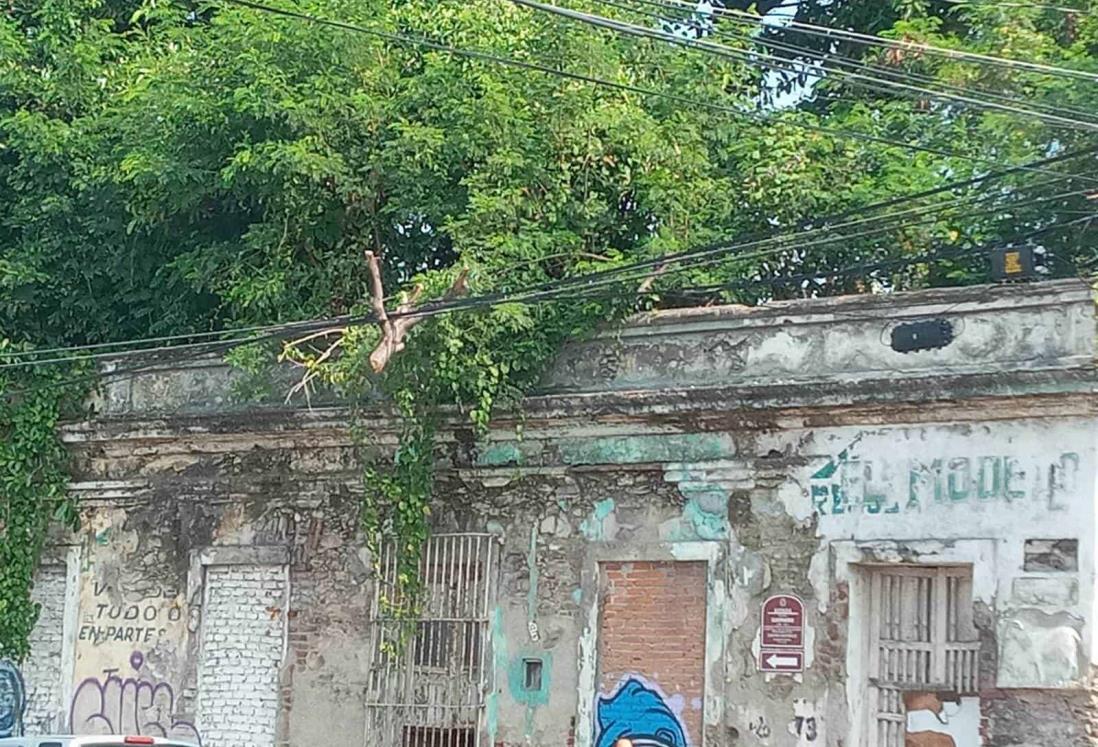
pixel 581 285
pixel 827 62
pixel 807 227
pixel 690 260
pixel 864 81
pixel 712 257
pixel 772 282
pixel 955 54
pixel 304 325
pixel 1028 6
pixel 488 57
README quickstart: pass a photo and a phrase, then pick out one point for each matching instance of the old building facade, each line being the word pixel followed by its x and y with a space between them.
pixel 720 526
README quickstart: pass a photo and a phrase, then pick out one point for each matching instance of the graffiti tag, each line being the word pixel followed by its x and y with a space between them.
pixel 113 704
pixel 13 700
pixel 637 711
pixel 759 728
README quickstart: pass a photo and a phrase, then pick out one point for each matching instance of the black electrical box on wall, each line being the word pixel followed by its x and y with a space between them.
pixel 1015 263
pixel 925 335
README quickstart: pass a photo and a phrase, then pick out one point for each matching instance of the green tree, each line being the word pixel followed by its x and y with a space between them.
pixel 170 168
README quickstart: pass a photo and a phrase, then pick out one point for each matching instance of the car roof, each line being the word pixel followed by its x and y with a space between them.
pixel 70 740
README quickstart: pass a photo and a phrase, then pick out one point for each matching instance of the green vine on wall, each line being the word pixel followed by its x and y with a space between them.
pixel 33 488
pixel 463 366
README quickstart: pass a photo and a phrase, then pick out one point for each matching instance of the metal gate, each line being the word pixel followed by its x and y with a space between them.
pixel 431 671
pixel 922 639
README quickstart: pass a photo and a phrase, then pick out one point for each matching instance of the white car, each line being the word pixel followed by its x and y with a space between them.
pixel 69 740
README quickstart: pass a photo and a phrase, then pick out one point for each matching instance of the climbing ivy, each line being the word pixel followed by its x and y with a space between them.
pixel 456 372
pixel 33 489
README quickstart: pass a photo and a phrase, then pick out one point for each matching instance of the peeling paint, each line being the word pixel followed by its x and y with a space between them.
pixel 704 515
pixel 532 594
pixel 499 649
pixel 600 524
pixel 685 447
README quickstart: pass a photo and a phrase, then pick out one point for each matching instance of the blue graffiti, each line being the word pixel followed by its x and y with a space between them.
pixel 13 700
pixel 639 713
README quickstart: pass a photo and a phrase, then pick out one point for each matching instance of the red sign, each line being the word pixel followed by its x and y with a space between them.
pixel 781 635
pixel 782 622
pixel 781 660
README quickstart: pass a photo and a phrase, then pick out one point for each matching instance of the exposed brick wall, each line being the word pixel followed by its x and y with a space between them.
pixel 652 626
pixel 242 646
pixel 42 670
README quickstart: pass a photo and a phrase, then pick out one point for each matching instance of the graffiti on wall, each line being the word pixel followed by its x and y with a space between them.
pixel 941 720
pixel 639 712
pixel 132 704
pixel 851 484
pixel 13 700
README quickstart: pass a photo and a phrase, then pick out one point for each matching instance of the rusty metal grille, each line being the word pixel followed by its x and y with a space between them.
pixel 921 638
pixel 431 668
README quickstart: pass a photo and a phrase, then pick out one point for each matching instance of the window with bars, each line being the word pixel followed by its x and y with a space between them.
pixel 430 673
pixel 921 638
pixel 447 638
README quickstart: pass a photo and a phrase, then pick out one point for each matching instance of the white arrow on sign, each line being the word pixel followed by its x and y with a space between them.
pixel 782 661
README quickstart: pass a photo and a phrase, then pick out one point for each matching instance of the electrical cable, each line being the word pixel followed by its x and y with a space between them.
pixel 305 324
pixel 955 54
pixel 607 277
pixel 612 281
pixel 743 55
pixel 775 281
pixel 1028 6
pixel 806 228
pixel 579 285
pixel 488 57
pixel 826 62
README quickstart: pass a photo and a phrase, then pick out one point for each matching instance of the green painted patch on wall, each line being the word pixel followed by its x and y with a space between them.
pixel 706 525
pixel 503 453
pixel 679 447
pixel 704 516
pixel 499 646
pixel 592 527
pixel 528 677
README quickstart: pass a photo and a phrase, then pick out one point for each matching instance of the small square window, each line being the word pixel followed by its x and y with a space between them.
pixel 531 680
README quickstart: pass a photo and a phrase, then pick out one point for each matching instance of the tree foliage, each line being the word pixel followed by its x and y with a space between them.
pixel 171 167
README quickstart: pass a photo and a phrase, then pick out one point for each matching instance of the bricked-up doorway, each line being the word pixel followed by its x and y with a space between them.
pixel 651 652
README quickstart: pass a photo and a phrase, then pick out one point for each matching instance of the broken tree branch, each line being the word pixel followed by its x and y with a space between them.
pixel 648 282
pixel 393 331
pixel 302 340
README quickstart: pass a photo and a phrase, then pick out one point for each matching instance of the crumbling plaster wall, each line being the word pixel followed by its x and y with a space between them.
pixel 758 494
pixel 773 446
pixel 160 511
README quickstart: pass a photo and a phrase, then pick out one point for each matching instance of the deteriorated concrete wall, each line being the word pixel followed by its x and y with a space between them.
pixel 674 477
